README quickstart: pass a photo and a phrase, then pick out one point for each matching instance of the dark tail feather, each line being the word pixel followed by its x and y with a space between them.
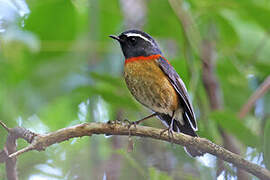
pixel 186 129
pixel 177 127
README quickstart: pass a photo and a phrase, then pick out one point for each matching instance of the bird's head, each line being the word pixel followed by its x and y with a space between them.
pixel 136 43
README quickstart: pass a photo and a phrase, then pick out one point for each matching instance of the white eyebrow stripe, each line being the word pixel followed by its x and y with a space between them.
pixel 138 35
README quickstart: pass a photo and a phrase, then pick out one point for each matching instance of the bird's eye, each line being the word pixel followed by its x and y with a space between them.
pixel 132 40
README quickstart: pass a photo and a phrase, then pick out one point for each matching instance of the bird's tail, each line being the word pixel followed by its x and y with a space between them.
pixel 186 129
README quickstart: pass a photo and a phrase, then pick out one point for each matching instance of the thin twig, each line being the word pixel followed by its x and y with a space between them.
pixel 4 126
pixel 260 91
pixel 21 151
pixel 10 148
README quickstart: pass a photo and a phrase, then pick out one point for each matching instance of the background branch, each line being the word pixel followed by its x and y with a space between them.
pixel 211 84
pixel 213 91
pixel 40 142
pixel 260 91
pixel 10 148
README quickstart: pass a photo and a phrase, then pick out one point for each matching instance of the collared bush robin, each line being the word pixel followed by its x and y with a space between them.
pixel 155 84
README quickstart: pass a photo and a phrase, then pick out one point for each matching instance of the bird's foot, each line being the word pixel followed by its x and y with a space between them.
pixel 170 133
pixel 131 123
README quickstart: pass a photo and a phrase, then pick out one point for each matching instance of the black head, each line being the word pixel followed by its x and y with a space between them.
pixel 136 43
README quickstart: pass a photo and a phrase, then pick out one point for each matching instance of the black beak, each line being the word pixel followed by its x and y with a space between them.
pixel 116 38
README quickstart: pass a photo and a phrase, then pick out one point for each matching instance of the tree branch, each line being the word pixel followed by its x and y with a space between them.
pixel 41 142
pixel 213 91
pixel 10 148
pixel 260 91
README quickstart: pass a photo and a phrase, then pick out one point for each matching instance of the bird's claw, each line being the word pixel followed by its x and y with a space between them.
pixel 133 123
pixel 170 133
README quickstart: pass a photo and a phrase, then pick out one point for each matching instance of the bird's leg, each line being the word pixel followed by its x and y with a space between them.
pixel 169 129
pixel 134 123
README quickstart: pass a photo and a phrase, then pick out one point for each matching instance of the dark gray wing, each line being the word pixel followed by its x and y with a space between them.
pixel 180 88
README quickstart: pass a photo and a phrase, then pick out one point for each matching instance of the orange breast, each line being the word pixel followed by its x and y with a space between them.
pixel 150 86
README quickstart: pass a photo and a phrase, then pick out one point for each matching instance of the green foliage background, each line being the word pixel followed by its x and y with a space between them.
pixel 59 68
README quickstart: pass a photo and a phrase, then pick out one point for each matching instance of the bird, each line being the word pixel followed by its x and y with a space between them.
pixel 154 83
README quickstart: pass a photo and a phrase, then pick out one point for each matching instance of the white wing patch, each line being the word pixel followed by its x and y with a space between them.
pixel 138 35
pixel 195 129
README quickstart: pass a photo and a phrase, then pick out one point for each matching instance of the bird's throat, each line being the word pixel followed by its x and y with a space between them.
pixel 142 58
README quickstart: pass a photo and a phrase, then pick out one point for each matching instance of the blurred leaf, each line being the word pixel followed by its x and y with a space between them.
pixel 233 83
pixel 228 37
pixel 104 21
pixel 154 174
pixel 263 68
pixel 59 113
pixel 18 42
pixel 155 28
pixel 112 97
pixel 180 66
pixel 232 124
pixel 135 164
pixel 114 13
pixel 54 22
pixel 266 145
pixel 256 13
pixel 115 81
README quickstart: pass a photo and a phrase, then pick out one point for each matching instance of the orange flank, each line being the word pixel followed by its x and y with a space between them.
pixel 143 58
